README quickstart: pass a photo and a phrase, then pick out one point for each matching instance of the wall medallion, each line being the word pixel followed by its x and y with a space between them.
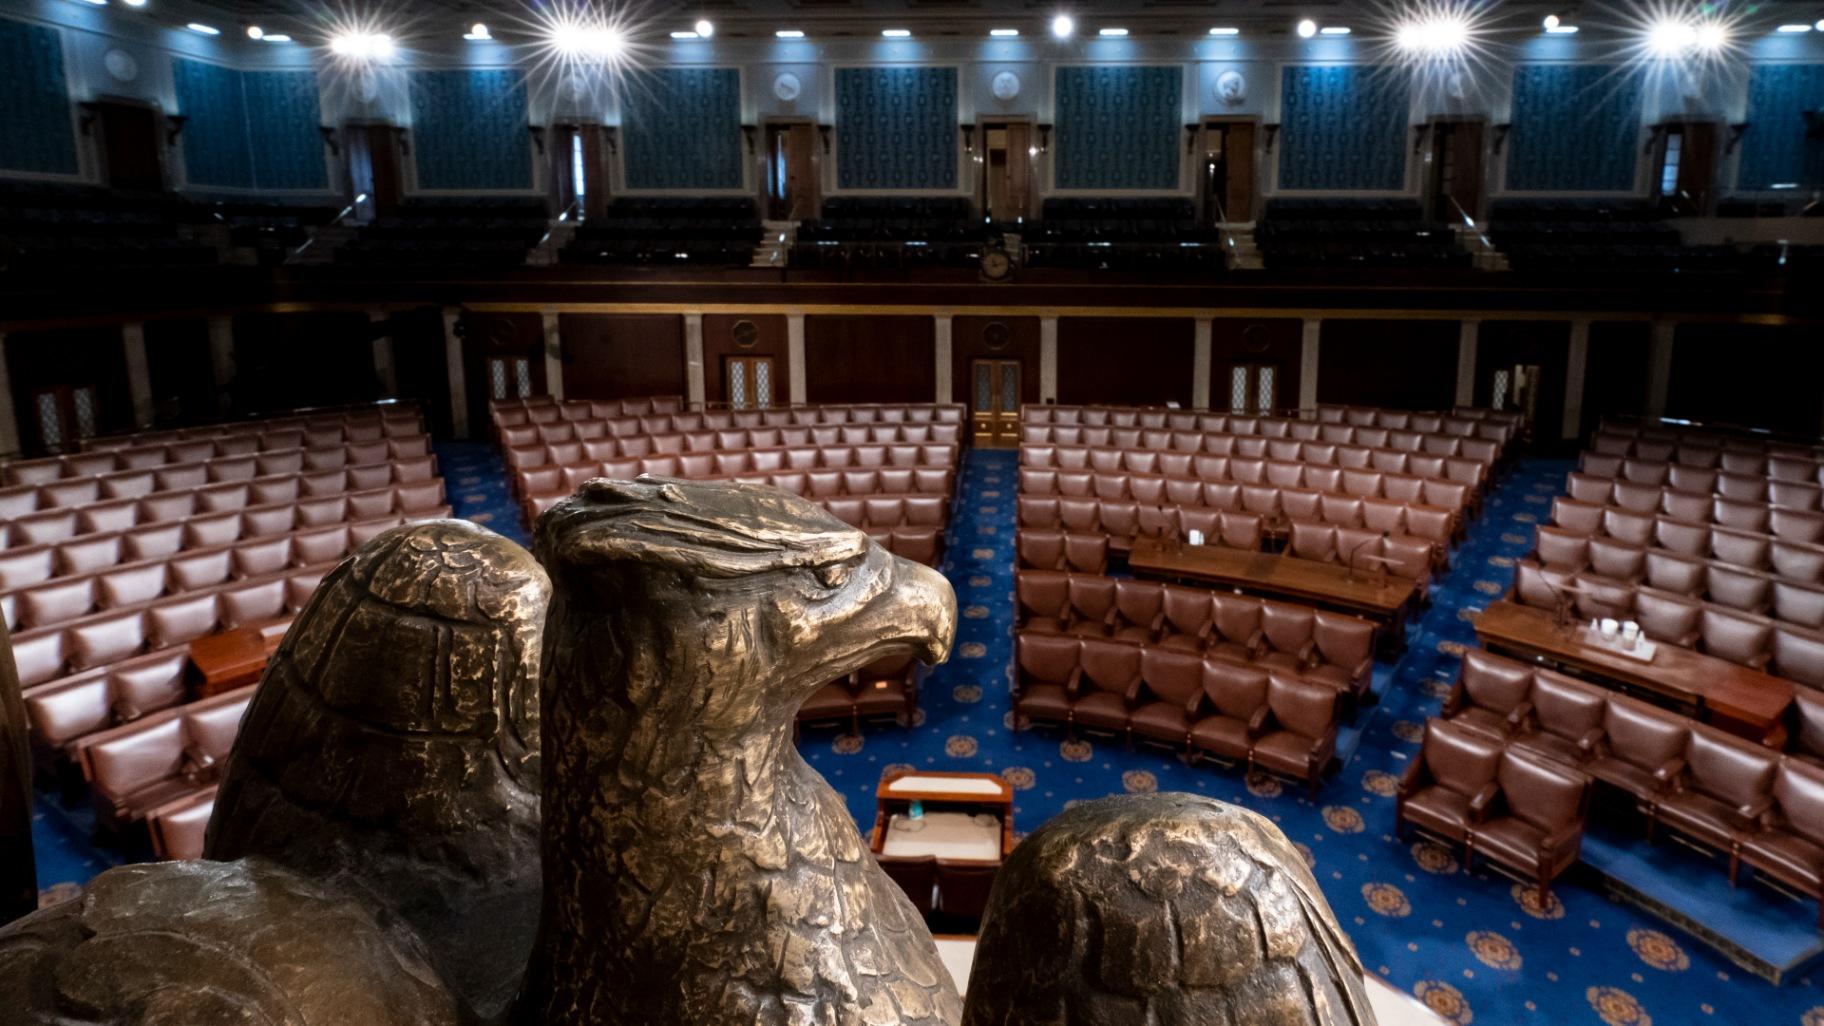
pixel 121 65
pixel 1005 86
pixel 747 334
pixel 995 336
pixel 1231 88
pixel 787 87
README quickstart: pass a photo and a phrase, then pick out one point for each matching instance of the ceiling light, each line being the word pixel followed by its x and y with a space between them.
pixel 1307 28
pixel 1003 33
pixel 1063 26
pixel 705 28
pixel 1794 29
pixel 363 45
pixel 134 3
pixel 1438 36
pixel 685 34
pixel 1225 30
pixel 1819 26
pixel 1111 32
pixel 1561 30
pixel 97 3
pixel 477 33
pixel 896 33
pixel 207 30
pixel 277 37
pixel 1552 21
pixel 790 33
pixel 1334 30
pixel 255 32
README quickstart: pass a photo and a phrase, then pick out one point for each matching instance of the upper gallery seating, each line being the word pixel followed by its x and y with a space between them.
pixel 45 226
pixel 271 230
pixel 1309 233
pixel 1122 235
pixel 891 232
pixel 1577 235
pixel 711 231
pixel 468 231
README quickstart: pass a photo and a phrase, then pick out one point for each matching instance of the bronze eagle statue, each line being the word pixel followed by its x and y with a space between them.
pixel 475 788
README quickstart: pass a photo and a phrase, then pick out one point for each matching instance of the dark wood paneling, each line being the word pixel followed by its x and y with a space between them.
pixel 1124 361
pixel 421 366
pixel 284 361
pixel 1748 375
pixel 182 372
pixel 1545 344
pixel 497 334
pixel 864 359
pixel 968 343
pixel 719 345
pixel 617 356
pixel 47 359
pixel 1403 365
pixel 1615 379
pixel 1279 342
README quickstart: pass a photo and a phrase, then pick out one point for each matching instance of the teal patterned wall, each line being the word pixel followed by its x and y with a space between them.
pixel 1118 127
pixel 211 100
pixel 282 130
pixel 1774 149
pixel 896 128
pixel 1343 127
pixel 470 130
pixel 681 129
pixel 1576 128
pixel 35 131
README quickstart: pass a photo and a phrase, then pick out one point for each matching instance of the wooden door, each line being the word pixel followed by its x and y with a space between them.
pixel 131 150
pixel 994 401
pixel 1252 388
pixel 750 382
pixel 1228 171
pixel 1456 170
pixel 1008 172
pixel 373 169
pixel 1687 162
pixel 791 171
pixel 64 415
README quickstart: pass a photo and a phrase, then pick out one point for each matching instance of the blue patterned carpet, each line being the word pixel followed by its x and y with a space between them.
pixel 1476 947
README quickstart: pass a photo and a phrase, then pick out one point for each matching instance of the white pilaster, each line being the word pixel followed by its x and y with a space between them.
pixel 139 372
pixel 1469 333
pixel 794 357
pixel 221 361
pixel 1576 366
pixel 1048 359
pixel 942 348
pixel 1659 367
pixel 1311 343
pixel 554 353
pixel 459 389
pixel 9 419
pixel 1200 364
pixel 696 392
pixel 386 370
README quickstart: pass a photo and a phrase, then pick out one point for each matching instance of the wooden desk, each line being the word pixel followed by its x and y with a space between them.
pixel 1734 698
pixel 223 662
pixel 1385 599
pixel 965 793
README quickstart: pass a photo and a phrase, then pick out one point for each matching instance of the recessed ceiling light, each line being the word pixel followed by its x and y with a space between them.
pixel 790 33
pixel 134 3
pixel 277 37
pixel 255 32
pixel 1552 21
pixel 1063 26
pixel 896 33
pixel 1111 32
pixel 97 3
pixel 1334 30
pixel 478 32
pixel 363 45
pixel 1307 28
pixel 1794 29
pixel 1561 30
pixel 207 30
pixel 1225 30
pixel 685 34
pixel 1003 33
pixel 705 28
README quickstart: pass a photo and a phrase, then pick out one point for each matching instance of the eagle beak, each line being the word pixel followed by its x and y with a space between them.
pixel 932 605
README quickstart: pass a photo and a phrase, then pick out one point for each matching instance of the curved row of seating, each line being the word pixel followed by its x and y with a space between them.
pixel 546 485
pixel 1708 581
pixel 1746 639
pixel 1804 527
pixel 1460 425
pixel 1693 477
pixel 1123 521
pixel 1058 550
pixel 76 706
pixel 547 408
pixel 21 501
pixel 1619 559
pixel 550 447
pixel 1364 482
pixel 1441 504
pixel 318 451
pixel 1646 498
pixel 367 422
pixel 1445 456
pixel 666 415
pixel 1693 446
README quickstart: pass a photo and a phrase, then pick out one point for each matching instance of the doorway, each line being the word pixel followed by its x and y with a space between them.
pixel 1254 388
pixel 750 382
pixel 1007 157
pixel 994 402
pixel 373 169
pixel 132 154
pixel 1227 180
pixel 1685 171
pixel 1454 185
pixel 65 415
pixel 791 171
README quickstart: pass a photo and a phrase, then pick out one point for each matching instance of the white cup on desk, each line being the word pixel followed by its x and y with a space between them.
pixel 1630 634
pixel 1193 537
pixel 1610 628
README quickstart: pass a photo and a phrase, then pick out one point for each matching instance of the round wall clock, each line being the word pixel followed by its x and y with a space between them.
pixel 746 334
pixel 787 86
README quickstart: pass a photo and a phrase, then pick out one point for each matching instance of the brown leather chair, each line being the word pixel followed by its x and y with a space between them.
pixel 1451 780
pixel 1044 597
pixel 1805 723
pixel 1787 840
pixel 1641 749
pixel 1490 696
pixel 1109 687
pixel 888 687
pixel 1565 721
pixel 1723 789
pixel 1188 624
pixel 1234 712
pixel 963 886
pixel 1139 611
pixel 916 875
pixel 1092 606
pixel 178 827
pixel 1534 826
pixel 1344 654
pixel 1170 693
pixel 1298 738
pixel 1046 677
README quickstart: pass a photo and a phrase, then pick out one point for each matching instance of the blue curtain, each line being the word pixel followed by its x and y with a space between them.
pixel 1576 128
pixel 1342 127
pixel 1774 150
pixel 1118 127
pixel 470 130
pixel 215 131
pixel 681 129
pixel 282 125
pixel 35 132
pixel 896 128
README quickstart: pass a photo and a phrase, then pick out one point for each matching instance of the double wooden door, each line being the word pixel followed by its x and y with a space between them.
pixel 994 401
pixel 750 382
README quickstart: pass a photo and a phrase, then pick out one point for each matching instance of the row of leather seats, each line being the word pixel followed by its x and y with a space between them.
pixel 1376 416
pixel 1696 579
pixel 542 407
pixel 879 511
pixel 521 453
pixel 1367 551
pixel 1200 705
pixel 1038 488
pixel 1241 444
pixel 58 712
pixel 1696 448
pixel 1450 495
pixel 1727 794
pixel 1645 498
pixel 361 424
pixel 541 483
pixel 142 581
pixel 1564 549
pixel 1690 478
pixel 1790 525
pixel 918 544
pixel 1304 429
pixel 933 471
pixel 23 500
pixel 282 509
pixel 320 450
pixel 1505 803
pixel 661 421
pixel 1056 550
pixel 1123 521
pixel 1757 642
pixel 1331 649
pixel 1472 473
pixel 884 688
pixel 46 653
pixel 159 759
